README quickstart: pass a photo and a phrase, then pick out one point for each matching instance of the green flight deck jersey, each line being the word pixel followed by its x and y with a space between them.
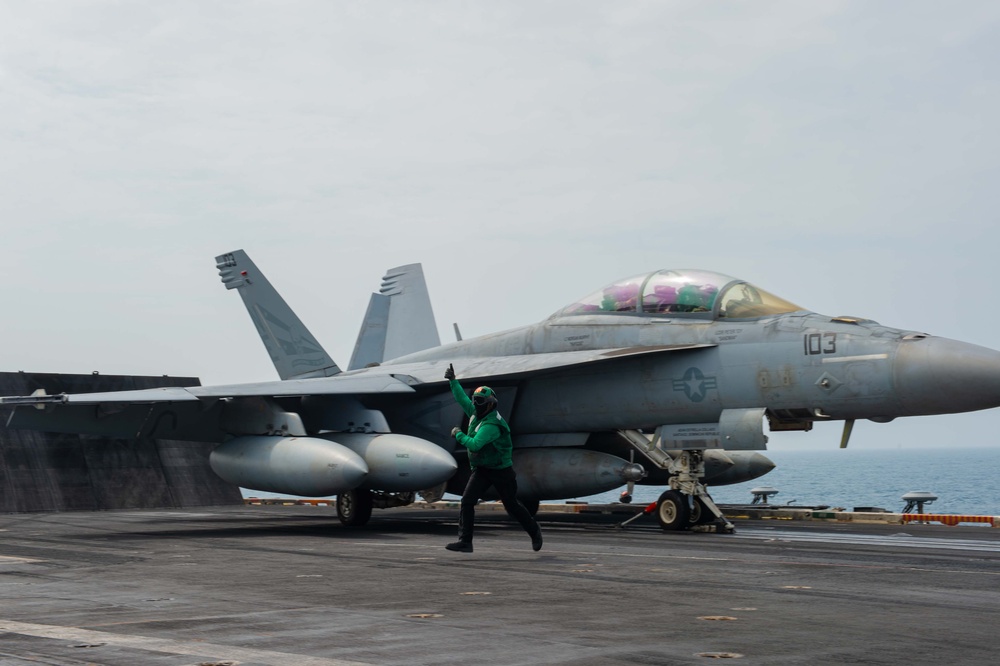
pixel 488 440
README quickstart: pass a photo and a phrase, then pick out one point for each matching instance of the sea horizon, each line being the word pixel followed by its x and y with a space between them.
pixel 963 479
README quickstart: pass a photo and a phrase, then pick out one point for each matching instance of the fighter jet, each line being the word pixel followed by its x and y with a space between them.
pixel 678 369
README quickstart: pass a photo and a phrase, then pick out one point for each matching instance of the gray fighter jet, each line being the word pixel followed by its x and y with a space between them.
pixel 678 369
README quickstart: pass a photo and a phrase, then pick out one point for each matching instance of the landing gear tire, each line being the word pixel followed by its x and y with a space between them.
pixel 700 514
pixel 354 507
pixel 672 511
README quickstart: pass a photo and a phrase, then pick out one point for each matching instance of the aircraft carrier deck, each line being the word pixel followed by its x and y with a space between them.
pixel 287 585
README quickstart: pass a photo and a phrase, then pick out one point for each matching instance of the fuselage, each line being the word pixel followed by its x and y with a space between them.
pixel 800 366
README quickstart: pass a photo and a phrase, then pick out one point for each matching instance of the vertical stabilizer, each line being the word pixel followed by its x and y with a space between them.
pixel 293 350
pixel 399 319
pixel 370 347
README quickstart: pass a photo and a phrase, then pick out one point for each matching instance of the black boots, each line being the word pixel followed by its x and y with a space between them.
pixel 466 546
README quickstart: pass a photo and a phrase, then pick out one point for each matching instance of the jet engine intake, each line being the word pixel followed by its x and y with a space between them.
pixel 294 465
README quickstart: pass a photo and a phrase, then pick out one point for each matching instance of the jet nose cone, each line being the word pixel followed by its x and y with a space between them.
pixel 942 376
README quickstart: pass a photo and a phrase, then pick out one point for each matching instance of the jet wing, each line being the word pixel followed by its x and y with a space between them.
pixel 188 413
pixel 343 384
pixel 194 413
pixel 336 385
pixel 368 382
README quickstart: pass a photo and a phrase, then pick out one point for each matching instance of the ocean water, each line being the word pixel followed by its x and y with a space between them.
pixel 966 481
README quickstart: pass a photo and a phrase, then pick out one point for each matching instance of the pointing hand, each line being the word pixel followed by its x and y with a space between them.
pixel 450 372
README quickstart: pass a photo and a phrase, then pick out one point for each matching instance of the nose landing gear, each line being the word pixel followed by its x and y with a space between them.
pixel 687 505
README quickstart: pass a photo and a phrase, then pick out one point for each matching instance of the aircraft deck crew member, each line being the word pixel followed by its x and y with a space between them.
pixel 489 445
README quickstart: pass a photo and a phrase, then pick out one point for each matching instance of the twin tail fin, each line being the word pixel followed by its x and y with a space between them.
pixel 399 320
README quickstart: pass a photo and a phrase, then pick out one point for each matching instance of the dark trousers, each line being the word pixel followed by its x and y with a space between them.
pixel 505 481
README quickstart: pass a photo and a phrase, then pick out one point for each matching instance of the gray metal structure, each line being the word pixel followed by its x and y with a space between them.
pixel 679 370
pixel 41 471
pixel 399 319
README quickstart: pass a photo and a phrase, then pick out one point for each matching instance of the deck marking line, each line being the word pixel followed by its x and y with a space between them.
pixel 170 646
pixel 10 559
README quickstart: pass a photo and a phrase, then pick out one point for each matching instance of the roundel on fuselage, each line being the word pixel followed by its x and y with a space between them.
pixel 687 292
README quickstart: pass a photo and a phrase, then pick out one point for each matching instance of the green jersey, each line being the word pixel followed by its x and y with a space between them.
pixel 487 439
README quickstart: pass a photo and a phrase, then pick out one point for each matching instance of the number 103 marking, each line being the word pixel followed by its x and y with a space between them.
pixel 819 343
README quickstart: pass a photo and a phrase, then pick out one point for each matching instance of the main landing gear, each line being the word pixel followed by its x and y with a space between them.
pixel 687 505
pixel 354 507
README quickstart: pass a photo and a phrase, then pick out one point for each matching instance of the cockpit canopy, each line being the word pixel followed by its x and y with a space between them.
pixel 698 293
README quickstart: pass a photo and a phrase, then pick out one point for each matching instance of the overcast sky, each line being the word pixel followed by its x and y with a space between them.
pixel 843 155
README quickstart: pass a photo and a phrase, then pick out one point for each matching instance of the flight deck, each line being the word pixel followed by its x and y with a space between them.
pixel 289 585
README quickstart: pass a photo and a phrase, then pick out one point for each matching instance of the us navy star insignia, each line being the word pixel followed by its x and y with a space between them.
pixel 695 384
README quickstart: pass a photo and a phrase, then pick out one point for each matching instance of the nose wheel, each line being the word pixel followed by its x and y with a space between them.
pixel 676 511
pixel 700 513
pixel 687 504
pixel 672 511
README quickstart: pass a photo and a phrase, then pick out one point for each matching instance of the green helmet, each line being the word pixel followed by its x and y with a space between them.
pixel 485 400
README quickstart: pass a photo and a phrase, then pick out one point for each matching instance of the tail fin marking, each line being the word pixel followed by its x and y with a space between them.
pixel 293 350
